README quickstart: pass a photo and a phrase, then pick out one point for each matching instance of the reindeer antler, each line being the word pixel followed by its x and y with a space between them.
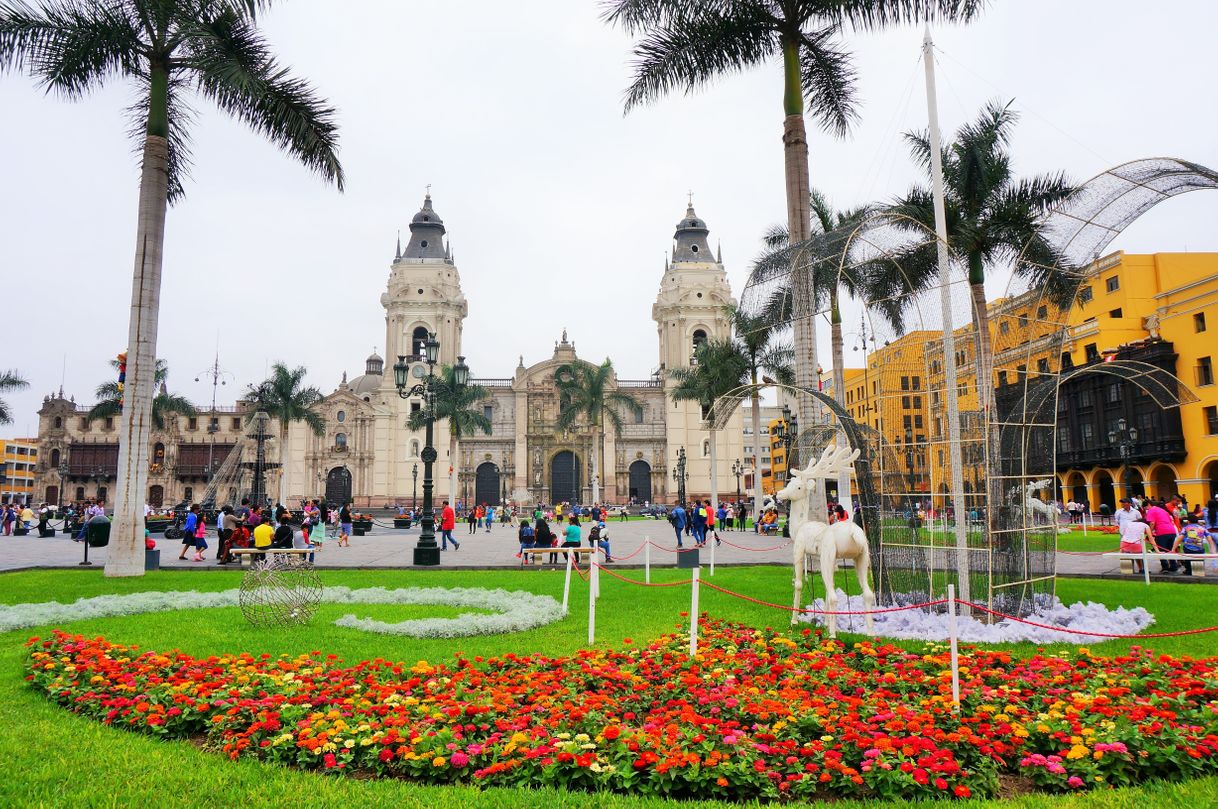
pixel 832 461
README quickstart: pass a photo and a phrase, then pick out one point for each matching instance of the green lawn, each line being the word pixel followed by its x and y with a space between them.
pixel 56 759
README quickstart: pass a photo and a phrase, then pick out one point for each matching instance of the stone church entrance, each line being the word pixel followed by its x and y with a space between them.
pixel 486 484
pixel 338 485
pixel 564 477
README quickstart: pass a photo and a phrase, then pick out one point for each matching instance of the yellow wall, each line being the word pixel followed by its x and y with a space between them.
pixel 21 465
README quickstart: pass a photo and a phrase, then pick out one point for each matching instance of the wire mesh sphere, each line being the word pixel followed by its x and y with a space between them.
pixel 280 592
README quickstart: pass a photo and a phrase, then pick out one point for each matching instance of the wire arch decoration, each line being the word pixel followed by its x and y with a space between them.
pixel 280 592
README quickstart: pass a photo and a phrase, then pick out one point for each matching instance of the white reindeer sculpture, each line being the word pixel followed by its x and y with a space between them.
pixel 841 540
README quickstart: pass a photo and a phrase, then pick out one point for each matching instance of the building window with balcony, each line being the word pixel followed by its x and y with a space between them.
pixel 236 422
pixel 192 423
pixel 1198 325
pixel 1092 352
pixel 488 412
pixel 1085 295
pixel 1087 431
pixel 904 383
pixel 904 402
pixel 1042 365
pixel 1113 284
pixel 1042 313
pixel 108 423
pixel 1205 371
pixel 1211 420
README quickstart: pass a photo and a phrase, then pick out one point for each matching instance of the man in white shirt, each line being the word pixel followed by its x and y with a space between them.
pixel 1126 513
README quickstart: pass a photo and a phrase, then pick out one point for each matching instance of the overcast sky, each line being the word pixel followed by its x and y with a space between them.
pixel 560 210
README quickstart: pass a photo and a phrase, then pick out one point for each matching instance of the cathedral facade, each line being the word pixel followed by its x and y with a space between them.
pixel 368 453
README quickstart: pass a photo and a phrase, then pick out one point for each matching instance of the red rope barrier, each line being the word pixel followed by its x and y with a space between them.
pixel 637 551
pixel 580 573
pixel 674 550
pixel 743 597
pixel 757 550
pixel 643 583
pixel 1068 631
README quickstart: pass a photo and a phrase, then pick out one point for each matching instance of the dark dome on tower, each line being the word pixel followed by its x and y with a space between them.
pixel 426 234
pixel 689 242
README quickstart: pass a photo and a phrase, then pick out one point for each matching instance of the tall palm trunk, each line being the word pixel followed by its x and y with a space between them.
pixel 125 556
pixel 799 228
pixel 283 465
pixel 981 327
pixel 453 466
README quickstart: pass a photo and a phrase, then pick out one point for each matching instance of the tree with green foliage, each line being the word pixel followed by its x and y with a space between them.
pixel 9 380
pixel 165 48
pixel 588 393
pixel 685 45
pixel 110 399
pixel 459 404
pixel 992 218
pixel 284 397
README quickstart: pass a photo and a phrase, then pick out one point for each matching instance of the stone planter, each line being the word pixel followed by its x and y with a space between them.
pixel 362 525
pixel 359 532
pixel 401 522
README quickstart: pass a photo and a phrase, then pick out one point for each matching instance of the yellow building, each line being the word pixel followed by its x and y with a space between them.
pixel 19 466
pixel 1154 309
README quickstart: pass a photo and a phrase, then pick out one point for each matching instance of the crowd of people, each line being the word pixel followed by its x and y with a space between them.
pixel 1167 526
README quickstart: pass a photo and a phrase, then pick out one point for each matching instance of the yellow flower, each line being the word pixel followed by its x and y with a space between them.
pixel 438 761
pixel 1077 751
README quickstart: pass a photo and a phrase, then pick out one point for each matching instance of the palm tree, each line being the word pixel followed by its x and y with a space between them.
pixel 283 397
pixel 164 47
pixel 685 45
pixel 9 380
pixel 992 217
pixel 588 392
pixel 110 399
pixel 458 404
pixel 757 338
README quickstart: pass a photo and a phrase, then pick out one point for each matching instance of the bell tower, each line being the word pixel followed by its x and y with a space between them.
pixel 424 292
pixel 689 308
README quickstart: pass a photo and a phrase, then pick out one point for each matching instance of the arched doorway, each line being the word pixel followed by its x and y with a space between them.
pixel 564 477
pixel 640 482
pixel 156 496
pixel 1078 488
pixel 1107 492
pixel 338 485
pixel 1211 472
pixel 1136 485
pixel 52 497
pixel 486 484
pixel 1164 478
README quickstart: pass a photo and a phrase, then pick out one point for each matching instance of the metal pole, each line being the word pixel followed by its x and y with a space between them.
pixel 427 551
pixel 693 615
pixel 953 635
pixel 949 338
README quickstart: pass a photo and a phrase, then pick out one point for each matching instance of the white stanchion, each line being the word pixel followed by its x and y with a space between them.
pixel 1145 564
pixel 693 615
pixel 566 585
pixel 592 602
pixel 596 577
pixel 952 634
pixel 1083 519
pixel 713 544
pixel 647 559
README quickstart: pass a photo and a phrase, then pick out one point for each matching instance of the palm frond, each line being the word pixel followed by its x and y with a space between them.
pixel 106 408
pixel 11 380
pixel 232 65
pixel 829 80
pixel 71 47
pixel 870 15
pixel 691 50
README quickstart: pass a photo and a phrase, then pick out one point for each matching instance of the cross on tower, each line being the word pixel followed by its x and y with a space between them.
pixel 429 189
pixel 691 198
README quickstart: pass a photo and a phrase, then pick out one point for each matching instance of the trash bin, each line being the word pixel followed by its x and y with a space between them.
pixel 97 532
pixel 152 559
pixel 688 558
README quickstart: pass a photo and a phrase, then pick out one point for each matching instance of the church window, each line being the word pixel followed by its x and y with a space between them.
pixel 341 415
pixel 426 218
pixel 488 412
pixel 414 449
pixel 423 243
pixel 420 290
pixel 693 247
pixel 639 415
pixel 59 419
pixel 705 448
pixel 418 338
pixel 699 338
pixel 699 294
pixel 340 440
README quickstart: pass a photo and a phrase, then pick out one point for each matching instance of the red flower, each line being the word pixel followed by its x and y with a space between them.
pixel 329 760
pixel 612 732
pixel 962 791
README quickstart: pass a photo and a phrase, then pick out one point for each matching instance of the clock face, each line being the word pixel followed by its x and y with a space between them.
pixel 418 372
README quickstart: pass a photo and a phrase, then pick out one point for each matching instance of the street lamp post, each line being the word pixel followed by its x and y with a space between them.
pixel 1126 438
pixel 414 498
pixel 737 470
pixel 427 551
pixel 678 474
pixel 63 476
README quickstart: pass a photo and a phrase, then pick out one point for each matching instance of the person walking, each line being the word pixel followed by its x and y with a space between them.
pixel 344 526
pixel 10 516
pixel 697 516
pixel 448 521
pixel 188 530
pixel 678 519
pixel 200 538
pixel 1126 513
pixel 1164 529
pixel 472 518
pixel 490 518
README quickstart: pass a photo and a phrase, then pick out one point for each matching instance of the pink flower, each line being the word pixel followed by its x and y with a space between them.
pixel 872 753
pixel 1075 781
pixel 459 759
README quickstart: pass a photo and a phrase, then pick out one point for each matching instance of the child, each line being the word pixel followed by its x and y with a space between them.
pixel 1193 538
pixel 526 535
pixel 200 538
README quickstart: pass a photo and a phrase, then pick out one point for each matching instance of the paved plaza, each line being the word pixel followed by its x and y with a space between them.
pixel 392 548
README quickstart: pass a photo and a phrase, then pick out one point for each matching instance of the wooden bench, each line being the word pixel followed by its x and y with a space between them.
pixel 1127 560
pixel 527 552
pixel 247 554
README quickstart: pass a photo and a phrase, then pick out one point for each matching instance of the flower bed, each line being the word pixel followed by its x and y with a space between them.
pixel 756 715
